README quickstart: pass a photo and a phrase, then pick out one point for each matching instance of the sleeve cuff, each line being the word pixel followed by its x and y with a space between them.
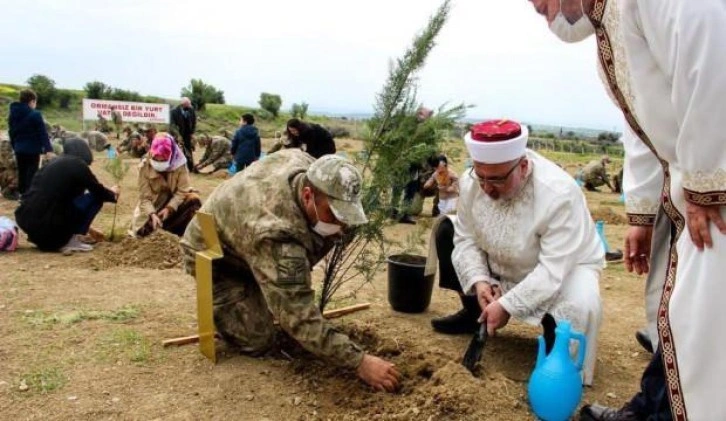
pixel 710 198
pixel 641 219
pixel 506 304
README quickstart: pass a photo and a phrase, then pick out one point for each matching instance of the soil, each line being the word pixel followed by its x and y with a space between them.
pixel 609 216
pixel 82 341
pixel 160 250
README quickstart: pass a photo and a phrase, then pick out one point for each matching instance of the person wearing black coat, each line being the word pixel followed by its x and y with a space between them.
pixel 317 140
pixel 184 119
pixel 63 200
pixel 28 137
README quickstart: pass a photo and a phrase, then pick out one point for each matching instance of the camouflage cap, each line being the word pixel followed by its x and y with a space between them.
pixel 341 182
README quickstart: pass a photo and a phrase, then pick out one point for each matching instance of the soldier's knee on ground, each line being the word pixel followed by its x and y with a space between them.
pixel 254 338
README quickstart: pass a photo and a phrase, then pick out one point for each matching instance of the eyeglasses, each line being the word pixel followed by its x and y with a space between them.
pixel 495 181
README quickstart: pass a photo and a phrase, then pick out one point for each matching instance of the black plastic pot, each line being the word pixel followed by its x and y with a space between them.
pixel 409 291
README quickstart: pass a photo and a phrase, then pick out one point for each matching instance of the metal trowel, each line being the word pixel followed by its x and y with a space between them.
pixel 476 348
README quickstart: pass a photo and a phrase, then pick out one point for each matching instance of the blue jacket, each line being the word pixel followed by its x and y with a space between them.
pixel 246 146
pixel 27 130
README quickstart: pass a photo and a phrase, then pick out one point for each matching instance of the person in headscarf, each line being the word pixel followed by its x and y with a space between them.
pixel 166 199
pixel 63 199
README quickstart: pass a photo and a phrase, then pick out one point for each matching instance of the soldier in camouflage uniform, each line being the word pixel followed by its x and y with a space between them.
pixel 276 220
pixel 96 140
pixel 102 124
pixel 217 153
pixel 595 174
pixel 8 170
pixel 118 121
pixel 618 181
pixel 136 144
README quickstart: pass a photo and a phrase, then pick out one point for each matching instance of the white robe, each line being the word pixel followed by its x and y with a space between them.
pixel 642 172
pixel 542 245
pixel 676 50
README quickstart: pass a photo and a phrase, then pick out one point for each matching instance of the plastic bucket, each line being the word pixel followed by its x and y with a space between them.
pixel 409 291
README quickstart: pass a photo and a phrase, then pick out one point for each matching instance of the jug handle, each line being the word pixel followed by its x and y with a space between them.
pixel 580 349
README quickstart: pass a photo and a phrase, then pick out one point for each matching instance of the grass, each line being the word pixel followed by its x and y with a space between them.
pixel 45 380
pixel 124 344
pixel 46 320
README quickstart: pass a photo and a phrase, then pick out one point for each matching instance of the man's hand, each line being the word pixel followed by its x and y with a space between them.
pixel 486 293
pixel 495 316
pixel 163 214
pixel 637 249
pixel 379 373
pixel 699 220
pixel 155 222
pixel 116 191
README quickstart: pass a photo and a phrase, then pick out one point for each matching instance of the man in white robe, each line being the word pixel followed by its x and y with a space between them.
pixel 675 52
pixel 524 243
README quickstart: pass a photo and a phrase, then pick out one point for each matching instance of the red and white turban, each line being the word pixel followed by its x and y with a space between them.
pixel 496 141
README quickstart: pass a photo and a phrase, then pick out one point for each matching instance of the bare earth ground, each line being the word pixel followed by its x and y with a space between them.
pixel 81 339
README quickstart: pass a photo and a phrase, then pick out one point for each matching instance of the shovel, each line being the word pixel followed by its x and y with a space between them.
pixel 476 348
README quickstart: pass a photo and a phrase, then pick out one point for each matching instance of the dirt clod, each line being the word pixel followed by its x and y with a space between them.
pixel 160 250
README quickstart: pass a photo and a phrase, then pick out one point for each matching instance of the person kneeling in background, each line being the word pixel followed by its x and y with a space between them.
pixel 63 199
pixel 166 199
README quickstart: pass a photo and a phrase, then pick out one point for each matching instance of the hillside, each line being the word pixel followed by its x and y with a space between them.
pixel 212 120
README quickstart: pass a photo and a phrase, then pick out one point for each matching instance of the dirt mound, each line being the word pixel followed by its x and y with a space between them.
pixel 435 386
pixel 160 250
pixel 607 214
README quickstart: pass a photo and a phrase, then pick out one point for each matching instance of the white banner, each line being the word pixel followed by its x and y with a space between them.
pixel 137 112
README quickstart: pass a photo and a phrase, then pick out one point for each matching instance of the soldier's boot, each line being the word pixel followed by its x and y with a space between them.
pixel 590 187
pixel 461 322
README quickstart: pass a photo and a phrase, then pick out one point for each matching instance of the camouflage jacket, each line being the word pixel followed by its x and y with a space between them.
pixel 594 171
pixel 219 148
pixel 264 231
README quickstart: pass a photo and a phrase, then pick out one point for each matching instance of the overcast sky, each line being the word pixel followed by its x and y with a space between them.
pixel 495 54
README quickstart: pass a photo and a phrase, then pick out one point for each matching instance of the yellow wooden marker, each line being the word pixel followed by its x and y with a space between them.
pixel 205 303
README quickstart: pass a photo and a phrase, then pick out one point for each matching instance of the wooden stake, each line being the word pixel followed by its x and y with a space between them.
pixel 330 314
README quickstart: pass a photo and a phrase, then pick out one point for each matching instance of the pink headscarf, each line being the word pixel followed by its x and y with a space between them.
pixel 161 146
pixel 164 147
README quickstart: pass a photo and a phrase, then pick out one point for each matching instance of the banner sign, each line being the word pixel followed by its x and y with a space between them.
pixel 136 112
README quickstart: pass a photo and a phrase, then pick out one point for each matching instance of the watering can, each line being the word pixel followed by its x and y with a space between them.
pixel 555 387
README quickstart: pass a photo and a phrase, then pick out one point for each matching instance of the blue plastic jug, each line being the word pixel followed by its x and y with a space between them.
pixel 555 387
pixel 600 227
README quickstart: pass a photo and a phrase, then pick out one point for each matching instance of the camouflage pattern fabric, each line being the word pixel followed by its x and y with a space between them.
pixel 96 140
pixel 269 251
pixel 595 174
pixel 8 168
pixel 57 145
pixel 217 154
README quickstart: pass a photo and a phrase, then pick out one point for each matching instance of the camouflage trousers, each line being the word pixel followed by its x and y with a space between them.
pixel 8 180
pixel 241 314
pixel 221 164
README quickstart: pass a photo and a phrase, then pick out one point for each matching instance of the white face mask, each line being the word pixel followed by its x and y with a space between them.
pixel 571 32
pixel 160 166
pixel 324 229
